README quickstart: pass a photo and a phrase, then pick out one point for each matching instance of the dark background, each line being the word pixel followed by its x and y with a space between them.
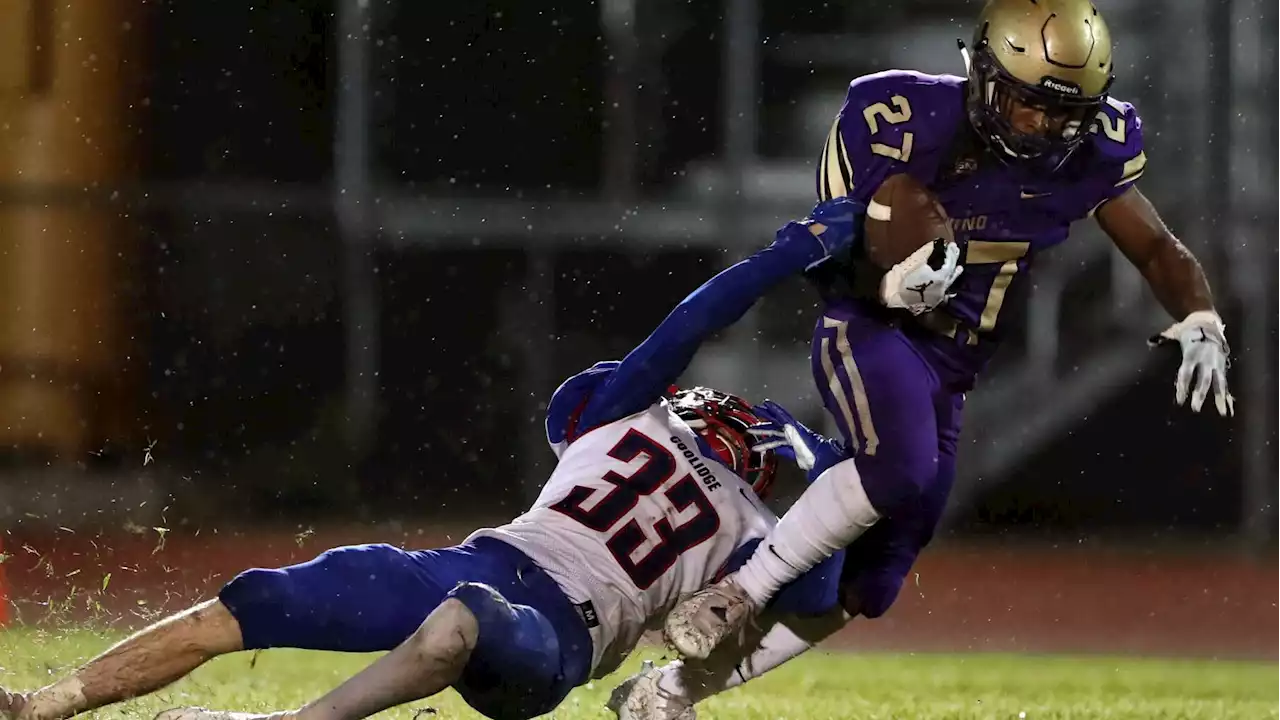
pixel 238 293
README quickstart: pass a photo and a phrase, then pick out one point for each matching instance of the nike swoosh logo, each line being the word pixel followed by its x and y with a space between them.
pixel 752 498
pixel 1031 196
pixel 784 560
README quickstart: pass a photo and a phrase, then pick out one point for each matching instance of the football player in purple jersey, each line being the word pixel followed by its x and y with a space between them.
pixel 1028 142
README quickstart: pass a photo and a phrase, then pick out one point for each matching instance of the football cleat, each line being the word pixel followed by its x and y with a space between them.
pixel 640 697
pixel 696 626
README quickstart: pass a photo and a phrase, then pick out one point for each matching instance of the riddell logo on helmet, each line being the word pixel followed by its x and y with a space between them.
pixel 1060 86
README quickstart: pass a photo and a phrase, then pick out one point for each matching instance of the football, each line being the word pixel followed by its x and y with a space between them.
pixel 902 216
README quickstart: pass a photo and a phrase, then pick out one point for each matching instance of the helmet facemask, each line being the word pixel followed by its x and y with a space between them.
pixel 996 97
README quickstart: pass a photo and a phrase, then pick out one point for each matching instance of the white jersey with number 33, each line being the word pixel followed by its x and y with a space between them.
pixel 634 519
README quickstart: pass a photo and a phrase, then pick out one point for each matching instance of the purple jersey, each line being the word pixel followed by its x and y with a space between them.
pixel 1003 214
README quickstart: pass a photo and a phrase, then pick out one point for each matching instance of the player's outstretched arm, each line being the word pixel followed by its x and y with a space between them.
pixel 1179 283
pixel 656 363
pixel 1173 272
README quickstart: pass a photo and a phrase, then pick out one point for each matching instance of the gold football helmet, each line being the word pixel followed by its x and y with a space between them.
pixel 1038 72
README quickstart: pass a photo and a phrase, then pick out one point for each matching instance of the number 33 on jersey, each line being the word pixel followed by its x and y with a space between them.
pixel 633 519
pixel 1004 214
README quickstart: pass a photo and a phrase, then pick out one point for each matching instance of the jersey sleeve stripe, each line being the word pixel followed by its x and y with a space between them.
pixel 1133 169
pixel 835 177
pixel 846 167
pixel 824 192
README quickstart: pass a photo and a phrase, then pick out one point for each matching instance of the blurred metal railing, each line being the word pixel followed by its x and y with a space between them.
pixel 353 200
pixel 373 217
pixel 1227 213
pixel 731 216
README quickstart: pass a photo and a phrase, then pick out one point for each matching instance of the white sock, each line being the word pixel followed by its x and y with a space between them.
pixel 831 513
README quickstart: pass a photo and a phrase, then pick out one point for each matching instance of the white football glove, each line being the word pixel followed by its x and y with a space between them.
pixel 1205 355
pixel 918 287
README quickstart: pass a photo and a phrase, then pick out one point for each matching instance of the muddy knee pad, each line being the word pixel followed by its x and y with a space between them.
pixel 514 672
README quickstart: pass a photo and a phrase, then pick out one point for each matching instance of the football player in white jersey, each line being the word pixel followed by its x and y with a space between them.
pixel 652 499
pixel 779 634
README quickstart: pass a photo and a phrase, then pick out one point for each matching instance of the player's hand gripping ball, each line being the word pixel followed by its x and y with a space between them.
pixel 909 234
pixel 923 281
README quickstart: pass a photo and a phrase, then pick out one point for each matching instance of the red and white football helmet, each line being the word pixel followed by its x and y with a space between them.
pixel 722 421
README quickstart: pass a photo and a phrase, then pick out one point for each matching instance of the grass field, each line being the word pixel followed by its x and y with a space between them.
pixel 818 687
pixel 870 687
